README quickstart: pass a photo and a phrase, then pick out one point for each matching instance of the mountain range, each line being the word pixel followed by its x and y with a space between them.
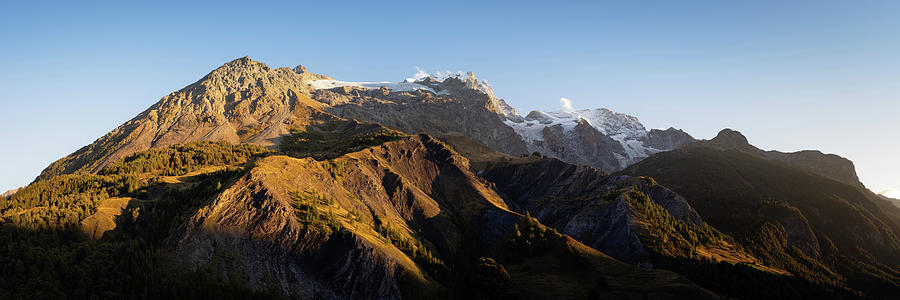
pixel 256 182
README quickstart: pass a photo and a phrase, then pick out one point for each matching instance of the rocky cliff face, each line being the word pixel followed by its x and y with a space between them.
pixel 461 105
pixel 668 139
pixel 597 137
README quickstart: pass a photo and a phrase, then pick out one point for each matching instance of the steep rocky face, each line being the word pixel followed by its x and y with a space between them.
pixel 241 101
pixel 600 138
pixel 453 105
pixel 668 139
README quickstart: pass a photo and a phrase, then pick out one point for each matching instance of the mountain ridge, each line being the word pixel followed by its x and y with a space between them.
pixel 354 196
pixel 246 101
pixel 830 166
pixel 792 216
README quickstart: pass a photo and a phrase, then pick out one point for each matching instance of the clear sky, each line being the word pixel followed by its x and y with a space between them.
pixel 790 76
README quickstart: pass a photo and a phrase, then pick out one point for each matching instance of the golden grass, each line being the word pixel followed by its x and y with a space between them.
pixel 105 218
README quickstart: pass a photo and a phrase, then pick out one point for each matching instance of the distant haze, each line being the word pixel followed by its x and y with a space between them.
pixel 789 75
pixel 890 193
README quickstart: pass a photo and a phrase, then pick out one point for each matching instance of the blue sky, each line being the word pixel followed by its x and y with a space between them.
pixel 790 76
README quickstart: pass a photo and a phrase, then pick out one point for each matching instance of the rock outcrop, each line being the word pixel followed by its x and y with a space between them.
pixel 668 139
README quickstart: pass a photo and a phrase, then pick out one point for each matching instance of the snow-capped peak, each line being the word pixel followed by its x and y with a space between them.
pixel 624 129
pixel 428 82
pixel 466 77
pixel 472 82
pixel 394 86
pixel 607 122
pixel 439 76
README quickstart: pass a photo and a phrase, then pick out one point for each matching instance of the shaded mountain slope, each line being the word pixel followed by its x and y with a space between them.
pixel 830 166
pixel 829 232
pixel 605 212
pixel 635 220
pixel 394 219
pixel 404 218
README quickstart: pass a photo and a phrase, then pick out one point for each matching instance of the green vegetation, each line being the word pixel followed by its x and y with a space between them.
pixel 311 209
pixel 317 212
pixel 46 256
pixel 667 236
pixel 63 201
pixel 530 238
pixel 336 167
pixel 336 139
pixel 182 159
pixel 413 247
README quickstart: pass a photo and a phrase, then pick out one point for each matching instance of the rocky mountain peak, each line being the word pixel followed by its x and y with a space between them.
pixel 241 101
pixel 731 135
pixel 729 139
pixel 830 166
pixel 300 69
pixel 241 65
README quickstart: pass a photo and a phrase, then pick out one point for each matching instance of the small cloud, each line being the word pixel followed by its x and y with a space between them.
pixel 890 193
pixel 420 74
pixel 566 104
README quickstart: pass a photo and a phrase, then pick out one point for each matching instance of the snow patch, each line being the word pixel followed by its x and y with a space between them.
pixel 624 129
pixel 394 86
pixel 530 131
